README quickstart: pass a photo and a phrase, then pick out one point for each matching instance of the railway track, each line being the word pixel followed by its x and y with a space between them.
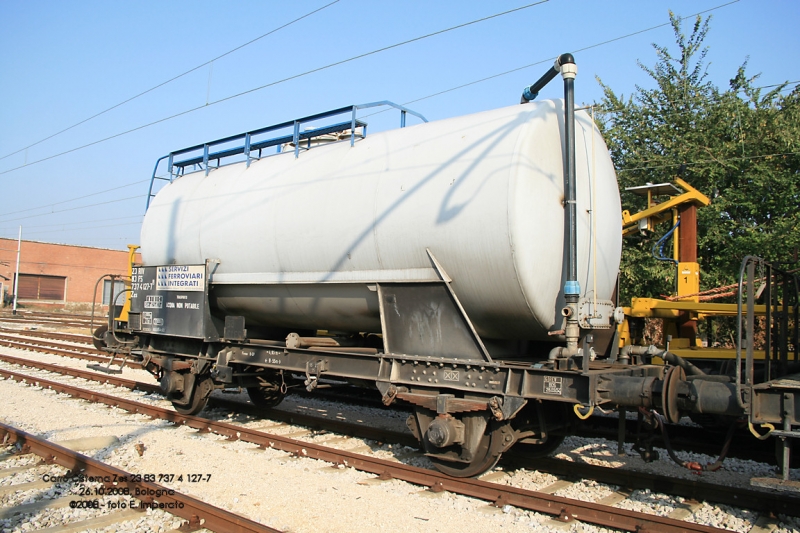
pixel 500 495
pixel 52 322
pixel 569 471
pixel 689 438
pixel 41 315
pixel 757 500
pixel 55 348
pixel 69 337
pixel 682 437
pixel 101 495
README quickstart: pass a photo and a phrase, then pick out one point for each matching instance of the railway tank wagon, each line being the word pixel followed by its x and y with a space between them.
pixel 301 242
pixel 465 267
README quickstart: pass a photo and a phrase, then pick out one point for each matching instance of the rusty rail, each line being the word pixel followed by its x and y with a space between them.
pixel 75 352
pixel 358 430
pixel 562 508
pixel 196 512
pixel 46 322
pixel 85 374
pixel 59 348
pixel 34 315
pixel 698 490
pixel 71 337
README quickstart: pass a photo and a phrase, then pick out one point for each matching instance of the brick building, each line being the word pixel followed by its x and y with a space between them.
pixel 59 275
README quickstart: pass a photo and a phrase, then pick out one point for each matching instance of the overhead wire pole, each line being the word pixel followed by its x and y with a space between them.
pixel 16 272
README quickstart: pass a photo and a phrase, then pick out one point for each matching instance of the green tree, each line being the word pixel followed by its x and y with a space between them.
pixel 738 146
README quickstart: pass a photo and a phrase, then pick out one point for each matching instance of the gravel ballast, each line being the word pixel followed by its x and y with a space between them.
pixel 300 494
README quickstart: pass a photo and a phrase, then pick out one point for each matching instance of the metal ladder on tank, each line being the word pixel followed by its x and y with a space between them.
pixel 250 146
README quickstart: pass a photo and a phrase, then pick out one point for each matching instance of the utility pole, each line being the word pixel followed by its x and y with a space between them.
pixel 16 274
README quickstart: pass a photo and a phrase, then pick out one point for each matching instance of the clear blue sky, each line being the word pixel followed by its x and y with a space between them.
pixel 62 62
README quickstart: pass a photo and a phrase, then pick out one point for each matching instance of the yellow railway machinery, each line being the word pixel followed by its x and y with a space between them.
pixel 765 316
pixel 677 203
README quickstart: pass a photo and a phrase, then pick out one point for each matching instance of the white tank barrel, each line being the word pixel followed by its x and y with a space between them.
pixel 303 241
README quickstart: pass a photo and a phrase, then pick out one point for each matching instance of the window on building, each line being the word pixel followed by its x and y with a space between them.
pixel 38 287
pixel 119 287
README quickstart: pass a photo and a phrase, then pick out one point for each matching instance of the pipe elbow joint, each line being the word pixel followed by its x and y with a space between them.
pixel 555 353
pixel 565 59
pixel 626 350
pixel 528 95
pixel 562 351
pixel 566 65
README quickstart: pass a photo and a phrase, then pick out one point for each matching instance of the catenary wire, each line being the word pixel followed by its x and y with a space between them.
pixel 56 230
pixel 479 80
pixel 271 84
pixel 138 196
pixel 151 89
pixel 76 198
pixel 62 224
pixel 374 52
pixel 516 70
pixel 795 82
pixel 603 43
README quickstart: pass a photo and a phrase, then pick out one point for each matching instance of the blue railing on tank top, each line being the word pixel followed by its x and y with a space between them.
pixel 253 143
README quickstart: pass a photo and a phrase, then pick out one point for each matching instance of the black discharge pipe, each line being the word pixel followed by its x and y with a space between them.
pixel 571 222
pixel 565 65
pixel 531 92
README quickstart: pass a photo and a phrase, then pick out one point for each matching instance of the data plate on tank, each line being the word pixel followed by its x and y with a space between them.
pixel 595 315
pixel 170 299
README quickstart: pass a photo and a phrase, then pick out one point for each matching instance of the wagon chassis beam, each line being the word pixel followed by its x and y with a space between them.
pixel 472 379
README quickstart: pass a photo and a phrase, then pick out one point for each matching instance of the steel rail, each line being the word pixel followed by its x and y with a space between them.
pixel 562 508
pixel 698 490
pixel 64 353
pixel 13 342
pixel 682 437
pixel 41 314
pixel 195 511
pixel 358 430
pixel 693 489
pixel 84 374
pixel 71 337
pixel 46 322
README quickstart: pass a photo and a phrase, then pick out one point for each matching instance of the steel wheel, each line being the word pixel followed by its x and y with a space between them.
pixel 198 400
pixel 487 452
pixel 270 390
pixel 265 397
pixel 99 337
